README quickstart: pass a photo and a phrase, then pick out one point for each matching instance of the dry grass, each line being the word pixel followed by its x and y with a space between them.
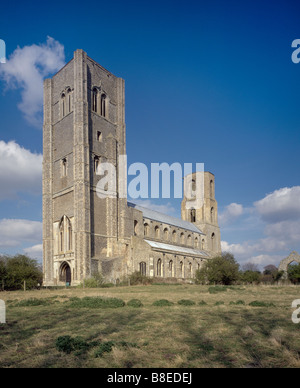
pixel 174 337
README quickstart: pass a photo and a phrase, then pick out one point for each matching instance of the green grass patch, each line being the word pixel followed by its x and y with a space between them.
pixel 68 345
pixel 186 302
pixel 163 303
pixel 33 302
pixel 217 289
pixel 202 303
pixel 96 303
pixel 136 303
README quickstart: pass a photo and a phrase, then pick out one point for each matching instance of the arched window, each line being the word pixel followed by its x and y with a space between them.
pixel 182 238
pixel 181 269
pixel 196 243
pixel 194 186
pixel 96 163
pixel 136 227
pixel 213 242
pixel 146 230
pixel 143 268
pixel 64 167
pixel 189 240
pixel 190 270
pixel 95 100
pixel 65 235
pixel 157 232
pixel 99 136
pixel 211 189
pixel 69 100
pixel 171 269
pixel 174 236
pixel 203 244
pixel 166 234
pixel 63 105
pixel 159 268
pixel 212 215
pixel 103 105
pixel 193 215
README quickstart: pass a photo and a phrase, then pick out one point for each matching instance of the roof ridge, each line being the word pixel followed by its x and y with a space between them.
pixel 184 224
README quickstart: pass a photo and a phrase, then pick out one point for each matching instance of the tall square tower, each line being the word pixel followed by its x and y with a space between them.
pixel 84 125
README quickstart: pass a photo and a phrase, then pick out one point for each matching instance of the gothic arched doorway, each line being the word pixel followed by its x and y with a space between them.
pixel 65 274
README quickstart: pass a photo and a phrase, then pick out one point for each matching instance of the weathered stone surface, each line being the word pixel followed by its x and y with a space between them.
pixel 84 234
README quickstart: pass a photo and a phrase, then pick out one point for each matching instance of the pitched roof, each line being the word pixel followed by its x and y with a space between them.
pixel 165 219
pixel 175 248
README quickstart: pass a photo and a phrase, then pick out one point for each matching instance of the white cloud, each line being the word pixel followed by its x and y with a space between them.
pixel 231 213
pixel 35 252
pixel 281 205
pixel 14 233
pixel 264 260
pixel 26 69
pixel 20 170
pixel 277 216
pixel 166 209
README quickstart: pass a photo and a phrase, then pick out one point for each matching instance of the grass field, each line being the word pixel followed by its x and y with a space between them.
pixel 216 334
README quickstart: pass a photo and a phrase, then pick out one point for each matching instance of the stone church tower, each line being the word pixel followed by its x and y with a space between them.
pixel 84 125
pixel 204 216
pixel 85 233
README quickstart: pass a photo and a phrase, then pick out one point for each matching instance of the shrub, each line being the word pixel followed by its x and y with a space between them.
pixel 202 303
pixel 186 302
pixel 251 277
pixel 163 303
pixel 105 347
pixel 219 270
pixel 138 279
pixel 135 303
pixel 294 273
pixel 217 289
pixel 238 303
pixel 96 302
pixel 94 282
pixel 219 303
pixel 67 344
pixel 256 303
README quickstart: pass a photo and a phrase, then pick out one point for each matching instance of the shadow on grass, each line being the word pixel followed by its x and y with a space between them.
pixel 246 333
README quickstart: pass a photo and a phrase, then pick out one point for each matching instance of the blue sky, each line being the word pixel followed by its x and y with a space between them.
pixel 208 82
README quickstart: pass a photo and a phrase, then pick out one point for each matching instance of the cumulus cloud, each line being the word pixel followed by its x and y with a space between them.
pixel 278 217
pixel 20 170
pixel 231 213
pixel 281 205
pixel 14 233
pixel 26 69
pixel 35 252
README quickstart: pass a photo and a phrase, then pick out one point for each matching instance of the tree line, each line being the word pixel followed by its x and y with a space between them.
pixel 225 270
pixel 17 271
